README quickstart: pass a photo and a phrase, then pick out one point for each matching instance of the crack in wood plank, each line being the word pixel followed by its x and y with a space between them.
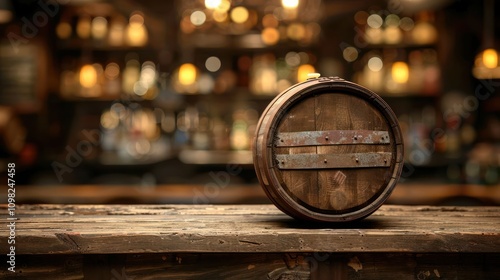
pixel 67 239
pixel 249 242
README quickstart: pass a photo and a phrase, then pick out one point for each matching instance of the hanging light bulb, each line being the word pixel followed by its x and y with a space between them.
pixel 486 62
pixel 290 4
pixel 212 4
pixel 490 58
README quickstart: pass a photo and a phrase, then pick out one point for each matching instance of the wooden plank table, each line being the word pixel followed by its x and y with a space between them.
pixel 250 242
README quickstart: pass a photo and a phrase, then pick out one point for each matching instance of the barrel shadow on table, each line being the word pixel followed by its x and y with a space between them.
pixel 360 224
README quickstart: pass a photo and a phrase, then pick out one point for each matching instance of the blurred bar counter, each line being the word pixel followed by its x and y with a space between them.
pixel 404 193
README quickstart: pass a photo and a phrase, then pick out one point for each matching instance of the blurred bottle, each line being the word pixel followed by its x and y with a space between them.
pixel 131 75
pixel 136 32
pixel 116 32
pixel 263 76
pixel 239 137
pixel 83 27
pixel 221 134
pixel 432 73
pixel 417 70
pixel 99 28
pixel 112 83
pixel 424 31
pixel 64 30
pixel 201 134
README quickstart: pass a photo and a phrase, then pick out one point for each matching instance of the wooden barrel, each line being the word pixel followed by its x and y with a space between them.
pixel 328 150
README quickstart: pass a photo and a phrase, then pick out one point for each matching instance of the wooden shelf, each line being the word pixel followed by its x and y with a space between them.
pixel 402 46
pixel 237 93
pixel 238 43
pixel 113 159
pixel 215 157
pixel 78 46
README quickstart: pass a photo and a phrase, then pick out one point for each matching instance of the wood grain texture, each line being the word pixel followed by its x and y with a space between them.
pixel 125 229
pixel 272 266
pixel 161 266
pixel 300 184
pixel 348 188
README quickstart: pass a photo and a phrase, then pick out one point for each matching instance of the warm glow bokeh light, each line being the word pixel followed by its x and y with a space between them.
pixel 83 27
pixel 375 64
pixel 63 30
pixel 270 36
pixel 303 72
pixel 374 21
pixel 198 18
pixel 116 33
pixel 219 16
pixel 224 6
pixel 112 71
pixel 99 27
pixel 290 4
pixel 270 20
pixel 212 4
pixel 400 72
pixel 350 54
pixel 136 19
pixel 88 76
pixel 136 33
pixel 239 14
pixel 213 64
pixel 296 31
pixel 187 74
pixel 490 58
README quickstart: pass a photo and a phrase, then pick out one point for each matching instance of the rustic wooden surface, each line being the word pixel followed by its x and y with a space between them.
pixel 251 242
pixel 110 229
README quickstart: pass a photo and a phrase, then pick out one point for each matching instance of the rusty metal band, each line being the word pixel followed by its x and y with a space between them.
pixel 331 137
pixel 329 161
